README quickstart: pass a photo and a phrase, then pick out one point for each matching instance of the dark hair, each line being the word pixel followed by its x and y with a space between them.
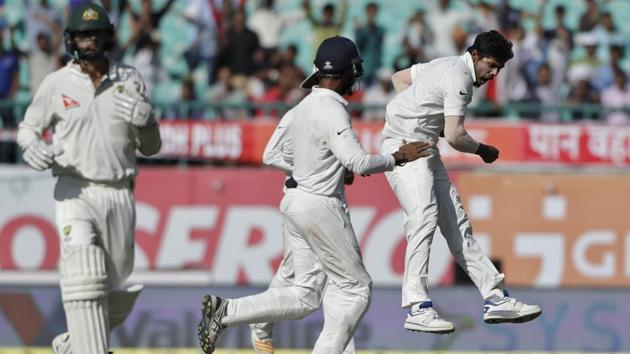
pixel 492 44
pixel 372 4
pixel 329 7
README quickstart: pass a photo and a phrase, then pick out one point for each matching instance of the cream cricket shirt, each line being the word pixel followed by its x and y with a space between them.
pixel 441 87
pixel 98 146
pixel 323 143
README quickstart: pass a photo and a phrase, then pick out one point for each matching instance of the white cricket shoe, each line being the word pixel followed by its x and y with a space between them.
pixel 262 344
pixel 509 310
pixel 61 344
pixel 213 309
pixel 423 318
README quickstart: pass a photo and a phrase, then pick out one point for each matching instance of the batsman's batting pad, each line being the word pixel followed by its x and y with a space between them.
pixel 121 303
pixel 84 295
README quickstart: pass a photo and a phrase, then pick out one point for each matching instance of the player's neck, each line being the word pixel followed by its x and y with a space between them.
pixel 96 69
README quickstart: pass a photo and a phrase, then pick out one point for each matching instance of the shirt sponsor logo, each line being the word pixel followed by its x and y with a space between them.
pixel 69 102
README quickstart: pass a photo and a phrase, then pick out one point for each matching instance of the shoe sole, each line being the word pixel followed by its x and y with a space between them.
pixel 202 331
pixel 520 319
pixel 418 328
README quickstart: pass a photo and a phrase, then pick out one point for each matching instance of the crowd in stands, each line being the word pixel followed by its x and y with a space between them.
pixel 239 54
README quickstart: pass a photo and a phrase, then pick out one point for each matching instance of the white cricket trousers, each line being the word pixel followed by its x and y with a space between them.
pixel 429 199
pixel 285 277
pixel 101 215
pixel 96 225
pixel 324 247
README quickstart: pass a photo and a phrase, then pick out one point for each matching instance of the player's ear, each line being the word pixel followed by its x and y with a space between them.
pixel 474 54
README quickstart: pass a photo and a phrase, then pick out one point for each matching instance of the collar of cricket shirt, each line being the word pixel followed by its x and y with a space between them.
pixel 467 59
pixel 328 92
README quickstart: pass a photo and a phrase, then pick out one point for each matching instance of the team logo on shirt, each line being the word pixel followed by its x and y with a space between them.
pixel 69 102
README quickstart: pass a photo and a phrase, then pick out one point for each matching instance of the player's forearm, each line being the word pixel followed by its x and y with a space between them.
pixel 457 136
pixel 150 140
pixel 363 163
pixel 460 140
pixel 275 159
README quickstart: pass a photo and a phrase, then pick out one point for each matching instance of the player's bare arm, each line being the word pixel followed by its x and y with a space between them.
pixel 457 136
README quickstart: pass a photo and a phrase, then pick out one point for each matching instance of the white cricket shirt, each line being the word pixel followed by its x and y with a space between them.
pixel 441 87
pixel 98 146
pixel 276 151
pixel 324 144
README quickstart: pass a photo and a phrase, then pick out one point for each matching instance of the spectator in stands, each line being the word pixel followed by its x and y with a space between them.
pixel 287 56
pixel 443 18
pixel 240 48
pixel 231 90
pixel 545 92
pixel 40 15
pixel 617 96
pixel 590 17
pixel 205 36
pixel 378 95
pixel 186 107
pixel 511 84
pixel 605 74
pixel 369 39
pixel 286 91
pixel 485 16
pixel 589 60
pixel 418 38
pixel 9 69
pixel 582 94
pixel 44 58
pixel 268 25
pixel 606 34
pixel 144 41
pixel 330 25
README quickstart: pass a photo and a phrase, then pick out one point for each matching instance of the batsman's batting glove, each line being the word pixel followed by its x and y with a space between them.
pixel 132 106
pixel 40 155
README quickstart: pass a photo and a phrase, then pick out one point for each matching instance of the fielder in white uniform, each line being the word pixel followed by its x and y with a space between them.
pixel 98 115
pixel 319 232
pixel 275 150
pixel 432 98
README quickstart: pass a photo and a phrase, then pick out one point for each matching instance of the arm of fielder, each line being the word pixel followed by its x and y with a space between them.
pixel 401 80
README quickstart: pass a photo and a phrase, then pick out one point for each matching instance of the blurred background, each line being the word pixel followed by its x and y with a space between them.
pixel 552 211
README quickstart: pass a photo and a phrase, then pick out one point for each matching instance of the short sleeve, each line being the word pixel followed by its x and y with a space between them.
pixel 416 71
pixel 457 92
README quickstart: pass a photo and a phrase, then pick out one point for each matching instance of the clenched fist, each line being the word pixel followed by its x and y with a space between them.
pixel 487 152
pixel 40 155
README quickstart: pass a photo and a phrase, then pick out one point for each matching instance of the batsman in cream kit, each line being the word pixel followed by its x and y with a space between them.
pixel 99 116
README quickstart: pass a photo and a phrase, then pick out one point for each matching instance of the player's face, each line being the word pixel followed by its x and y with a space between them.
pixel 486 69
pixel 90 44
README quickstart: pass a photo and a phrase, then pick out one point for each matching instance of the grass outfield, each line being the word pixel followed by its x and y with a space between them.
pixel 8 350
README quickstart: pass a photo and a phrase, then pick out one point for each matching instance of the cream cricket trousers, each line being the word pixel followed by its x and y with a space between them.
pixel 97 214
pixel 96 225
pixel 429 199
pixel 324 249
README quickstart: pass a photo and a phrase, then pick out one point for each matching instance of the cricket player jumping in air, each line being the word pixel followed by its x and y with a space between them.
pixel 432 97
pixel 99 116
pixel 316 215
